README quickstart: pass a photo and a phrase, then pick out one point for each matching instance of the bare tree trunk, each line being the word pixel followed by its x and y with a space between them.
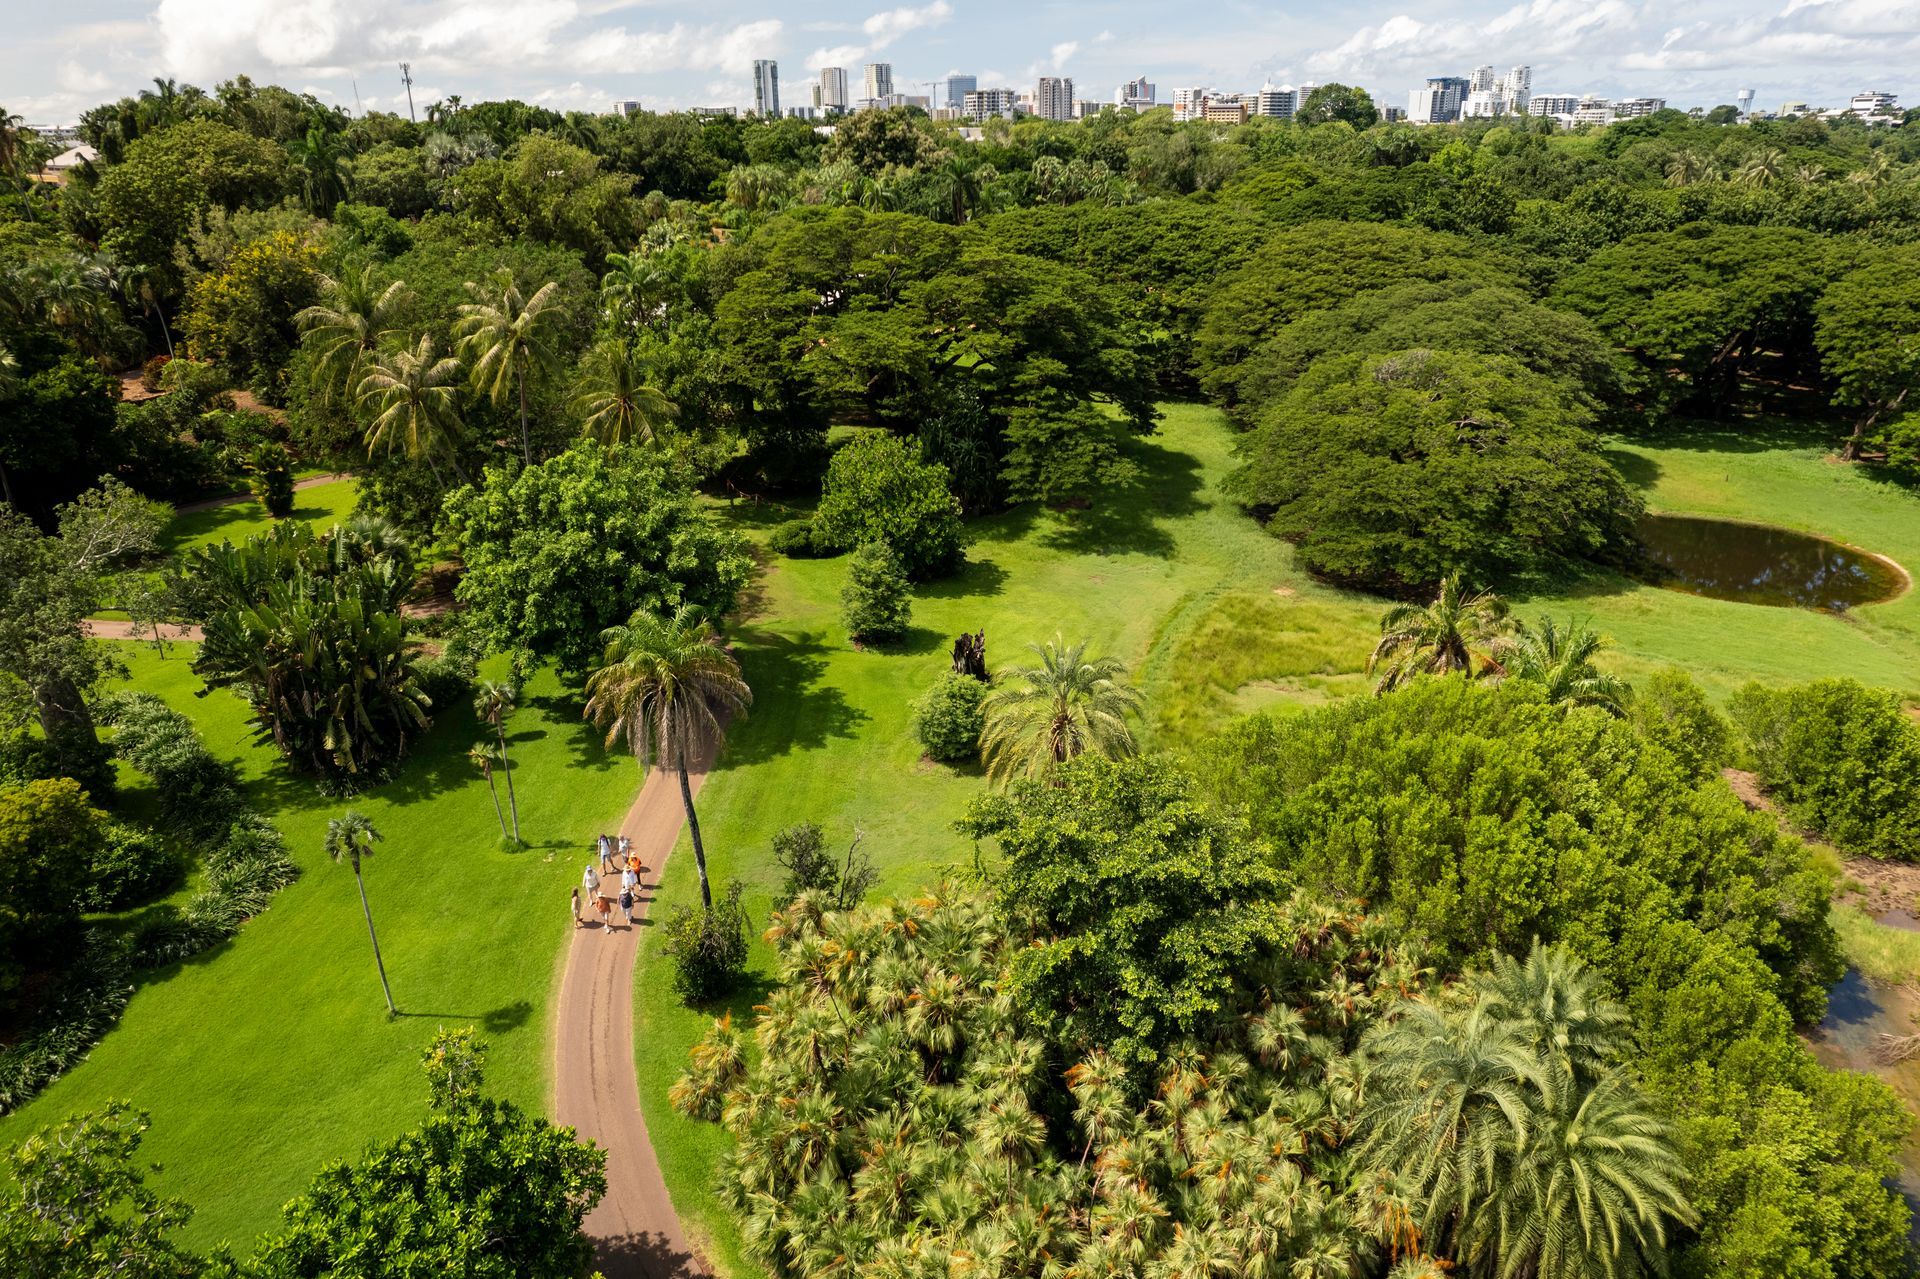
pixel 506 766
pixel 374 938
pixel 526 444
pixel 495 791
pixel 699 850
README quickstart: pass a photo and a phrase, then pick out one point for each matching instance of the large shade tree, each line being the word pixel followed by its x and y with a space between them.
pixel 668 689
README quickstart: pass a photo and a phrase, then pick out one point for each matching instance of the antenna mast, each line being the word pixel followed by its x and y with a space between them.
pixel 406 78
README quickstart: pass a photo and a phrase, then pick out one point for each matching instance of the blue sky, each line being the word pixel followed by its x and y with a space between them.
pixel 589 53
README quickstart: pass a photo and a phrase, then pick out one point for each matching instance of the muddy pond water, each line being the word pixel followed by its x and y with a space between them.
pixel 1760 564
pixel 1858 1013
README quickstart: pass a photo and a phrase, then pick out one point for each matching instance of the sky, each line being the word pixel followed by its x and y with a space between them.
pixel 60 58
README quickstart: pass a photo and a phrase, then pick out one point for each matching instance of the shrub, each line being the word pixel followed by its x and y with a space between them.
pixel 875 603
pixel 1841 757
pixel 794 539
pixel 27 758
pixel 48 829
pixel 1670 710
pixel 877 490
pixel 130 865
pixel 947 718
pixel 801 848
pixel 199 794
pixel 708 947
pixel 150 373
pixel 272 479
pixel 446 678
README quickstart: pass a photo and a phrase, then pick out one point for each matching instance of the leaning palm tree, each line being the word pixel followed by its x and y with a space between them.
pixel 616 402
pixel 346 328
pixel 351 838
pixel 414 397
pixel 485 756
pixel 493 702
pixel 1039 717
pixel 503 335
pixel 1439 639
pixel 667 688
pixel 1562 663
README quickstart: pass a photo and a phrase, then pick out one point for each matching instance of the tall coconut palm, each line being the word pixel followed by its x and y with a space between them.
pixel 1445 636
pixel 1039 717
pixel 1763 169
pixel 414 397
pixel 616 402
pixel 351 838
pixel 493 702
pixel 486 757
pixel 635 289
pixel 321 163
pixel 505 337
pixel 143 286
pixel 345 329
pixel 1562 663
pixel 667 688
pixel 579 129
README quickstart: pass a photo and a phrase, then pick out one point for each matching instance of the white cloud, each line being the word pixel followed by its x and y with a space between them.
pixel 884 28
pixel 840 55
pixel 679 48
pixel 1063 51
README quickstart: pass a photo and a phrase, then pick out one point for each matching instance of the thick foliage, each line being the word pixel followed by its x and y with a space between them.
pixel 1396 470
pixel 877 490
pixel 707 948
pixel 560 551
pixel 947 719
pixel 48 835
pixel 1842 758
pixel 877 601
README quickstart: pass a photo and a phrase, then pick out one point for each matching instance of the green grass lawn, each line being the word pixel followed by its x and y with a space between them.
pixel 322 505
pixel 272 1054
pixel 1215 620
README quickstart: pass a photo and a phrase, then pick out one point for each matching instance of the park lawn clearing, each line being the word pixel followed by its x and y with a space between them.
pixel 1215 620
pixel 321 505
pixel 272 1054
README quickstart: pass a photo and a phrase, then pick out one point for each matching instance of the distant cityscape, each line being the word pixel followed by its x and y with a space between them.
pixel 1486 93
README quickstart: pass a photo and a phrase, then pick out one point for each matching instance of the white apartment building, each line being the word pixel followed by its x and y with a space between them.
pixel 879 80
pixel 1632 108
pixel 1189 104
pixel 766 88
pixel 833 89
pixel 1053 98
pixel 1874 102
pixel 1553 104
pixel 1593 110
pixel 1277 103
pixel 1439 100
pixel 1517 90
pixel 982 103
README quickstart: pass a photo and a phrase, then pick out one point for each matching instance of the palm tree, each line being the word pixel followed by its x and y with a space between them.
pixel 351 838
pixel 320 161
pixel 667 687
pixel 1686 168
pixel 1563 1013
pixel 346 328
pixel 415 401
pixel 1041 716
pixel 1763 169
pixel 616 402
pixel 9 387
pixel 141 285
pixel 486 757
pixel 493 702
pixel 635 289
pixel 579 129
pixel 504 336
pixel 1562 663
pixel 1438 639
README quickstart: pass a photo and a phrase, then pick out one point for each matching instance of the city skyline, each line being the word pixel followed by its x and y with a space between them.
pixel 589 54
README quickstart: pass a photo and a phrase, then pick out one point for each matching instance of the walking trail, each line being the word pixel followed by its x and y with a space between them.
pixel 635 1232
pixel 234 499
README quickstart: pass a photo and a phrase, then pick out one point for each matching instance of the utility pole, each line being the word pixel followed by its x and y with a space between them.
pixel 406 78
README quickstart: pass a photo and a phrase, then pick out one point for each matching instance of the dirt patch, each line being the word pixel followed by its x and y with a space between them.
pixel 1876 887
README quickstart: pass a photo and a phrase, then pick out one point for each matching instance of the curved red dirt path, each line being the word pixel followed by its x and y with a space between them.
pixel 635 1232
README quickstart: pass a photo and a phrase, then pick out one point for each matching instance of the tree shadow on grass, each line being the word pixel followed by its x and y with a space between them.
pixel 497 1022
pixel 1637 469
pixel 980 578
pixel 1135 519
pixel 799 711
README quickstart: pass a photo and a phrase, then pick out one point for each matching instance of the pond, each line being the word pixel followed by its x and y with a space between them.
pixel 1760 564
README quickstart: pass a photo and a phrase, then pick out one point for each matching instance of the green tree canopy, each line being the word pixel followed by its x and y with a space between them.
pixel 877 490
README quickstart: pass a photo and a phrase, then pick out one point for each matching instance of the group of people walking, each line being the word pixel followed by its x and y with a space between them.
pixel 600 903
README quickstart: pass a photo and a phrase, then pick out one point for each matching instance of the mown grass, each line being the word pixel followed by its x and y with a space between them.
pixel 321 505
pixel 1883 954
pixel 272 1054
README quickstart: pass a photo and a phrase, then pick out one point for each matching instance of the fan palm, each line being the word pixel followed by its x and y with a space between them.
pixel 1039 717
pixel 485 756
pixel 415 401
pixel 1438 639
pixel 351 838
pixel 493 702
pixel 616 402
pixel 345 329
pixel 667 688
pixel 504 336
pixel 1562 663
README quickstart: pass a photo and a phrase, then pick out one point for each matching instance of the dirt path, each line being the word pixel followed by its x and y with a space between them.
pixel 101 628
pixel 635 1233
pixel 1879 888
pixel 234 499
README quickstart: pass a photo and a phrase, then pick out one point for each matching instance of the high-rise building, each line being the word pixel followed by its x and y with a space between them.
pixel 1439 102
pixel 766 88
pixel 1053 98
pixel 1189 104
pixel 1137 94
pixel 982 103
pixel 1516 90
pixel 956 90
pixel 833 89
pixel 1229 109
pixel 1632 108
pixel 879 80
pixel 628 107
pixel 1277 103
pixel 1552 104
pixel 1482 81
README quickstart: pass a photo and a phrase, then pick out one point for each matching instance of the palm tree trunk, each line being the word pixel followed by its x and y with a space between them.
pixel 699 850
pixel 374 938
pixel 506 766
pixel 495 791
pixel 6 489
pixel 166 334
